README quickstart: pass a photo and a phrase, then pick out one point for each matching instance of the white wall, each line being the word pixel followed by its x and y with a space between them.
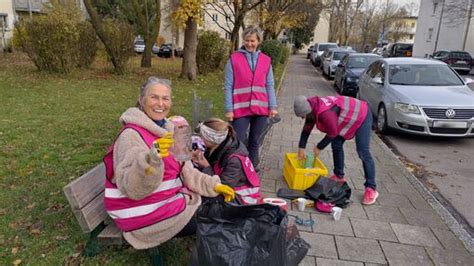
pixel 447 35
pixel 7 7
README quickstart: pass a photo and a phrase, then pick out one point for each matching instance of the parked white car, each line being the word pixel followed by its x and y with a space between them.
pixel 318 50
pixel 418 96
pixel 330 62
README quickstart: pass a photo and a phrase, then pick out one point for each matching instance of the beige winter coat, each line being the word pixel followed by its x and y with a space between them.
pixel 137 175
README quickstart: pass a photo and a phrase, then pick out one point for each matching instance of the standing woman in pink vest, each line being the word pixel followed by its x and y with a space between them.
pixel 249 94
pixel 227 157
pixel 341 118
pixel 149 195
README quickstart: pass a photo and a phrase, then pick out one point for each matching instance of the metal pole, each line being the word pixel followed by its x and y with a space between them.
pixel 439 27
pixel 4 44
pixel 29 9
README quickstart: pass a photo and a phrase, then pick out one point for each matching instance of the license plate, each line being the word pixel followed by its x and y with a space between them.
pixel 449 124
pixel 461 62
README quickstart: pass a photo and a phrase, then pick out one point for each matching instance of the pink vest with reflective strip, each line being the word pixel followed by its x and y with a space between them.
pixel 166 201
pixel 351 116
pixel 250 93
pixel 248 194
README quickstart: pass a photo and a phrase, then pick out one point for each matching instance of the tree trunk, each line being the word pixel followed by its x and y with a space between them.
pixel 97 24
pixel 146 56
pixel 189 66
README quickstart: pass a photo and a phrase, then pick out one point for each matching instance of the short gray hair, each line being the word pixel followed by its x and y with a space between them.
pixel 151 81
pixel 253 30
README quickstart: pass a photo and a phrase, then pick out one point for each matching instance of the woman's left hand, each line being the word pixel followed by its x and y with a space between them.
pixel 273 113
pixel 199 159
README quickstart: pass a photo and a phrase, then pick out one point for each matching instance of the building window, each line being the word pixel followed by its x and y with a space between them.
pixel 411 36
pixel 430 34
pixel 227 36
pixel 227 18
pixel 214 17
pixel 4 21
pixel 435 6
pixel 413 24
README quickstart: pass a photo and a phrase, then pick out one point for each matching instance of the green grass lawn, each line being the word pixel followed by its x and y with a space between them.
pixel 53 128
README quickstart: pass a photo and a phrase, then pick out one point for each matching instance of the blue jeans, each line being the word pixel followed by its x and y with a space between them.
pixel 257 126
pixel 362 139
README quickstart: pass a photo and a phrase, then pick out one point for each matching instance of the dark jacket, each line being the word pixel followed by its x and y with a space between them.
pixel 233 174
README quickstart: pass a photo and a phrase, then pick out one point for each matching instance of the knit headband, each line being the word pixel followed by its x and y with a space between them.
pixel 216 137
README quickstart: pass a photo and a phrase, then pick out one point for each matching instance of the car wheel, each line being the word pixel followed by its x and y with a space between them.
pixel 382 126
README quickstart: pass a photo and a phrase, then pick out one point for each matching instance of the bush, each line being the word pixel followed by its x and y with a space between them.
pixel 121 36
pixel 273 49
pixel 285 54
pixel 56 42
pixel 87 48
pixel 50 41
pixel 211 51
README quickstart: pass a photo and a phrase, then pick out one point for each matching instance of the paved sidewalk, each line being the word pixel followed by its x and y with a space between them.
pixel 402 228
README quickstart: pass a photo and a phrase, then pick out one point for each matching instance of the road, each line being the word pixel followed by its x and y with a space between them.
pixel 444 165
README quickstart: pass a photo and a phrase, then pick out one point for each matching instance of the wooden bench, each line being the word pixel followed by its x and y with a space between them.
pixel 86 197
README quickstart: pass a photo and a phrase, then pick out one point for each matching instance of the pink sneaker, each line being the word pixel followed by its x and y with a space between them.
pixel 370 196
pixel 337 179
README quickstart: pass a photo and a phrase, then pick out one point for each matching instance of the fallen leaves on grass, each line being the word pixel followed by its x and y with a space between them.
pixel 14 250
pixel 17 262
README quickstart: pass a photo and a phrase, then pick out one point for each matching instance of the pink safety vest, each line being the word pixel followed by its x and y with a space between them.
pixel 250 93
pixel 248 194
pixel 166 201
pixel 351 117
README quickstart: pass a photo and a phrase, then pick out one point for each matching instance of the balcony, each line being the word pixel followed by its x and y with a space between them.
pixel 22 5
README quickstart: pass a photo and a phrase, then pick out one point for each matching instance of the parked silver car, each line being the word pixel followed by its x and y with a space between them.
pixel 332 59
pixel 419 96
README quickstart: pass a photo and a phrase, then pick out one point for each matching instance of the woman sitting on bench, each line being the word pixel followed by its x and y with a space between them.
pixel 227 157
pixel 149 195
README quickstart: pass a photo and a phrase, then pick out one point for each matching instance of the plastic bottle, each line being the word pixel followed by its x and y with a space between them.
pixel 309 161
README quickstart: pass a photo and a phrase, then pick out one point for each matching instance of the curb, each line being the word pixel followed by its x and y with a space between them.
pixel 445 215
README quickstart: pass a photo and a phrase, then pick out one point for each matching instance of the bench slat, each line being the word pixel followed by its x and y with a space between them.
pixel 111 236
pixel 86 188
pixel 92 214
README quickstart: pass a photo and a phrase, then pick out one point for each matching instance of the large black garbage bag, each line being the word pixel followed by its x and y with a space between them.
pixel 330 191
pixel 246 235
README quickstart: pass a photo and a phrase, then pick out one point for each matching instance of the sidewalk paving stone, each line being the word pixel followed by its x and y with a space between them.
pixel 415 235
pixel 399 254
pixel 326 225
pixel 354 210
pixel 330 262
pixel 373 230
pixel 448 239
pixel 308 261
pixel 450 257
pixel 385 214
pixel 394 200
pixel 321 245
pixel 427 218
pixel 358 249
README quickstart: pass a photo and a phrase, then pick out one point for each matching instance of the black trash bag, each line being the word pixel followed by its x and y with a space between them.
pixel 296 247
pixel 330 191
pixel 245 235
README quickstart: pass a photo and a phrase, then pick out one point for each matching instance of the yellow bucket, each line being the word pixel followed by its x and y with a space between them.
pixel 298 177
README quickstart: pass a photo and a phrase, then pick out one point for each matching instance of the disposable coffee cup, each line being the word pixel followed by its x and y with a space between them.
pixel 301 204
pixel 336 213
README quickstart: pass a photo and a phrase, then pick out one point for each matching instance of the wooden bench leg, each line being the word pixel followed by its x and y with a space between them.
pixel 92 246
pixel 156 259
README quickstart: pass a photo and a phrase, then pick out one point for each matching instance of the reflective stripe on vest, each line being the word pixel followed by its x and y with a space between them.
pixel 247 194
pixel 351 116
pixel 249 94
pixel 164 202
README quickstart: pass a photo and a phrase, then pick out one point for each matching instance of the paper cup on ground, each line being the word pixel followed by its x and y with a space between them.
pixel 301 204
pixel 336 213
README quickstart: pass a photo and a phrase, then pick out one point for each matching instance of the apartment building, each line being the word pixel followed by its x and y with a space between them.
pixel 444 25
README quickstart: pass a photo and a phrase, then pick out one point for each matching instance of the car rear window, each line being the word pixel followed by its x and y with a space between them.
pixel 361 61
pixel 323 47
pixel 423 75
pixel 404 47
pixel 461 55
pixel 140 42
